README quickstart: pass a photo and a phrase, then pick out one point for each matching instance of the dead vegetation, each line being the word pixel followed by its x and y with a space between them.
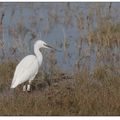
pixel 66 95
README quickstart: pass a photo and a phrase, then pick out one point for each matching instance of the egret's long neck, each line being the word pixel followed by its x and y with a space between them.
pixel 38 54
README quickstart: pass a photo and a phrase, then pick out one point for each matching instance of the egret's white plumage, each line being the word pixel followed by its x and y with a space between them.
pixel 28 66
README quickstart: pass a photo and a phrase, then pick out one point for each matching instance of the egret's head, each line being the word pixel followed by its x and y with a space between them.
pixel 42 44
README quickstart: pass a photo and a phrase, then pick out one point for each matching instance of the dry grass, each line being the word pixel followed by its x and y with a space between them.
pixel 76 95
pixel 107 34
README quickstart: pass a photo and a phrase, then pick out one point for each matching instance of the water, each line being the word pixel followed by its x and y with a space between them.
pixel 51 22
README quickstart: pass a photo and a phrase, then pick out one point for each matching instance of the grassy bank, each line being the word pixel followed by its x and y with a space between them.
pixel 80 94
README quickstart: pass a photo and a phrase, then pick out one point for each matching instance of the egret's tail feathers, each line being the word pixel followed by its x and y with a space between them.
pixel 13 85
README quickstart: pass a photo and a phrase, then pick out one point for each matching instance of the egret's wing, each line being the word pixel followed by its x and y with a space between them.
pixel 27 68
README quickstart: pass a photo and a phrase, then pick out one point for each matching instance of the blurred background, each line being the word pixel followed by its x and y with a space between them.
pixel 79 29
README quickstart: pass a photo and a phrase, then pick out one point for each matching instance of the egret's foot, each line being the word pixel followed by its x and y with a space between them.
pixel 24 88
pixel 28 88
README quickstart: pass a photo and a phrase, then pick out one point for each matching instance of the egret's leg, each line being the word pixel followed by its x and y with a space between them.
pixel 29 86
pixel 24 87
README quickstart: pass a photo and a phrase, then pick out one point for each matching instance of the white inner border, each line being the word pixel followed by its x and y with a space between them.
pixel 59 1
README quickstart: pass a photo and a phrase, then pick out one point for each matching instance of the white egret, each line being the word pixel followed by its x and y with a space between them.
pixel 28 67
